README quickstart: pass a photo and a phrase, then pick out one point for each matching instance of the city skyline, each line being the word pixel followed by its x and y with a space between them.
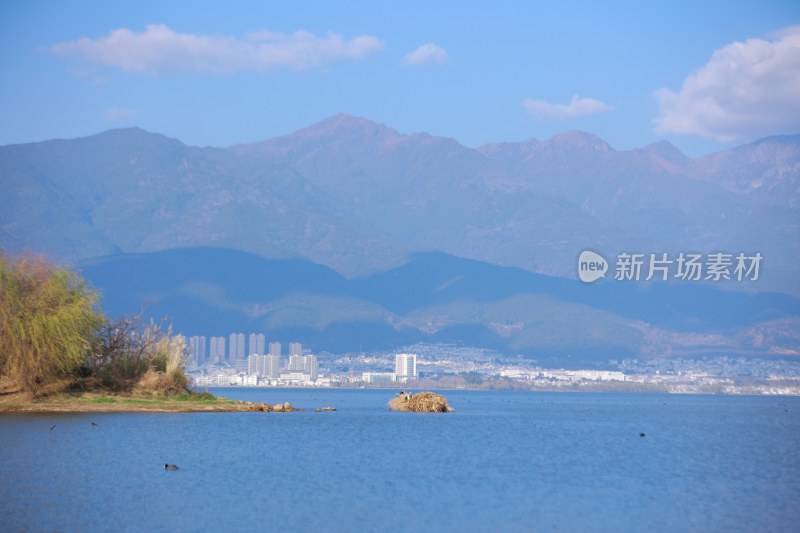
pixel 236 347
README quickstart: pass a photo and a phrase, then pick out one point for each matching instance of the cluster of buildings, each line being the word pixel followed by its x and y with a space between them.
pixel 299 368
pixel 265 365
pixel 235 349
pixel 249 360
pixel 533 374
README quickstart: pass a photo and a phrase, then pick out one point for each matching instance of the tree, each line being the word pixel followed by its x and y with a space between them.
pixel 127 356
pixel 48 317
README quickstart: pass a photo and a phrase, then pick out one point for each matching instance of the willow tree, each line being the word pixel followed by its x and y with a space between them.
pixel 48 317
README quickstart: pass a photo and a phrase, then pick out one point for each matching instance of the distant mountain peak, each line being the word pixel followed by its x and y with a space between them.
pixel 133 136
pixel 767 167
pixel 793 140
pixel 665 150
pixel 132 132
pixel 344 124
pixel 569 141
pixel 579 140
pixel 345 133
pixel 777 150
pixel 348 121
pixel 136 130
pixel 780 149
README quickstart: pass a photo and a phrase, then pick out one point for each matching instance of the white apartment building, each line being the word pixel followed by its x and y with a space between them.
pixel 311 365
pixel 379 377
pixel 197 348
pixel 273 366
pixel 256 343
pixel 295 363
pixel 217 349
pixel 237 348
pixel 405 366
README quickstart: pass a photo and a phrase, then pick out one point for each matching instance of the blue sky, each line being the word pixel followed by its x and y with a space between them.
pixel 703 75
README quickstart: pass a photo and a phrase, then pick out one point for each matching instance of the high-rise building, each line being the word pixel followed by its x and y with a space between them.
pixel 237 349
pixel 197 349
pixel 405 366
pixel 256 343
pixel 275 348
pixel 217 349
pixel 265 365
pixel 255 364
pixel 311 365
pixel 273 366
pixel 295 348
pixel 296 363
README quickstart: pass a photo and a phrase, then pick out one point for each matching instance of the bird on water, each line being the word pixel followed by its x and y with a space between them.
pixel 170 467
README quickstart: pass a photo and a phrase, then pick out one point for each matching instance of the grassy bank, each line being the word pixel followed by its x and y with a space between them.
pixel 107 403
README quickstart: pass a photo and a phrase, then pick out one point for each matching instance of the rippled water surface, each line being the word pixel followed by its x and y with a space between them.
pixel 504 461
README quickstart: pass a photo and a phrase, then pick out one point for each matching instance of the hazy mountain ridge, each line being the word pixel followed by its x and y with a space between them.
pixel 768 170
pixel 359 197
pixel 436 297
pixel 135 191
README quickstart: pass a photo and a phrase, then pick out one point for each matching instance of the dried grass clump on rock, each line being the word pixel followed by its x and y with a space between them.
pixel 422 402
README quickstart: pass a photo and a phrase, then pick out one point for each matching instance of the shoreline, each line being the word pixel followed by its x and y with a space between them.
pixel 112 403
pixel 571 388
pixel 199 402
pixel 84 408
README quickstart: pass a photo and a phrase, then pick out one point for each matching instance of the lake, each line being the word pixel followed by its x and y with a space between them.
pixel 503 461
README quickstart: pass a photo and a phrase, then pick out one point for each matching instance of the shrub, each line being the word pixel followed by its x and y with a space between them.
pixel 53 337
pixel 145 359
pixel 165 374
pixel 47 319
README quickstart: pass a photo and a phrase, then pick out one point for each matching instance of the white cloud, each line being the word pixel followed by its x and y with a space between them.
pixel 114 114
pixel 577 107
pixel 426 54
pixel 159 49
pixel 747 90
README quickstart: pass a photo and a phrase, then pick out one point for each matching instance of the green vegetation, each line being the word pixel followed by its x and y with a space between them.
pixel 103 401
pixel 197 398
pixel 47 320
pixel 54 339
pixel 59 353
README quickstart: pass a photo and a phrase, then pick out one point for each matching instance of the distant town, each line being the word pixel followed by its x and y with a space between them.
pixel 248 361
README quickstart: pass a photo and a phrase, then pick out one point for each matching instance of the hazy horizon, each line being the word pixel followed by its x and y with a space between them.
pixel 413 133
pixel 214 76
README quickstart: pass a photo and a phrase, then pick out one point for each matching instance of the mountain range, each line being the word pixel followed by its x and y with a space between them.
pixel 436 297
pixel 361 200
